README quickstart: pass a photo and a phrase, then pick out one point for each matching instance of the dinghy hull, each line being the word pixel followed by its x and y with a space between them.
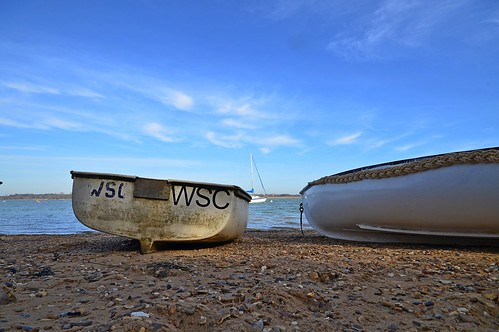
pixel 456 203
pixel 152 210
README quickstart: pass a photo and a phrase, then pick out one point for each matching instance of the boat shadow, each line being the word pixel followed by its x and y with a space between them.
pixel 282 237
pixel 312 237
pixel 113 243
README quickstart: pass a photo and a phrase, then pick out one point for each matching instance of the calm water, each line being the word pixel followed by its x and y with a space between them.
pixel 56 216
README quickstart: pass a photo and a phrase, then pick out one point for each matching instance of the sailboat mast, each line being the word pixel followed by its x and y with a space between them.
pixel 251 171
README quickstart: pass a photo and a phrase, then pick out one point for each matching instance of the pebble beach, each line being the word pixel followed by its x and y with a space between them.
pixel 273 280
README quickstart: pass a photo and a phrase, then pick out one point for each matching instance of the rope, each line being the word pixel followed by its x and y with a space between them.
pixel 301 218
pixel 406 167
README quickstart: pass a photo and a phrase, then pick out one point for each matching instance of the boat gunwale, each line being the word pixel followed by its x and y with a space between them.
pixel 238 191
pixel 409 160
pixel 388 165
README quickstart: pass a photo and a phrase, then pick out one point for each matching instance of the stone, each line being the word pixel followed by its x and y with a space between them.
pixel 139 314
pixel 6 295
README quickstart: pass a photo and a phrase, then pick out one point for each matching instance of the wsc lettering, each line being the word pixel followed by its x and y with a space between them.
pixel 202 197
pixel 110 191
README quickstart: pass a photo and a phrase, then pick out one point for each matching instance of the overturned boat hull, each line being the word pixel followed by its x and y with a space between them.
pixel 445 199
pixel 152 210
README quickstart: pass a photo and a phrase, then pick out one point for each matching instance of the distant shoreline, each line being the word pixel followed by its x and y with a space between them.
pixel 283 196
pixel 68 196
pixel 35 196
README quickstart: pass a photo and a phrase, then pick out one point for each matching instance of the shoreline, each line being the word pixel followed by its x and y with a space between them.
pixel 49 197
pixel 267 280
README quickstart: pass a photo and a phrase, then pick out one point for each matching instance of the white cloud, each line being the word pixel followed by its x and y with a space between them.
pixel 50 90
pixel 31 88
pixel 181 100
pixel 265 150
pixel 157 131
pixel 350 139
pixel 407 147
pixel 231 118
pixel 176 98
pixel 246 108
pixel 84 92
pixel 224 141
pixel 375 143
pixel 279 140
pixel 11 123
pixel 53 122
pixel 233 123
pixel 406 24
pixel 240 139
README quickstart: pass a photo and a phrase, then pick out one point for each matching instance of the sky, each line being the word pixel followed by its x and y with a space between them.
pixel 188 89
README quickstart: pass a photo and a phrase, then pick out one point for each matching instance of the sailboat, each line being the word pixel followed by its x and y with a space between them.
pixel 255 198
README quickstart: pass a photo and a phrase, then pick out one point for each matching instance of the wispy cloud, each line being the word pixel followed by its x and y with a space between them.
pixel 34 88
pixel 159 132
pixel 349 139
pixel 178 99
pixel 53 122
pixel 408 147
pixel 265 150
pixel 84 92
pixel 374 142
pixel 31 88
pixel 235 123
pixel 285 9
pixel 111 99
pixel 247 113
pixel 279 140
pixel 240 139
pixel 226 141
pixel 406 24
pixel 247 108
pixel 14 123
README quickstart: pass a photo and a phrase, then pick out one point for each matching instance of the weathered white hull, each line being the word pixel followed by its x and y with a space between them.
pixel 456 204
pixel 151 210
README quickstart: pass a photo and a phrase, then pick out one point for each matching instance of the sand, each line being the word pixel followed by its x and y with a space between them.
pixel 264 281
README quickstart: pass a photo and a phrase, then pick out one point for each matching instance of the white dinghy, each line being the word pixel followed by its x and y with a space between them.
pixel 444 199
pixel 151 210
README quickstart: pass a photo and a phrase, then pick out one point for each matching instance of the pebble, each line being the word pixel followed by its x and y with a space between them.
pixel 139 314
pixel 81 323
pixel 466 318
pixel 189 310
pixel 362 320
pixel 6 295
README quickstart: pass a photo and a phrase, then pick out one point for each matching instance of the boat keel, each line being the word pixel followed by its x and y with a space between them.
pixel 147 246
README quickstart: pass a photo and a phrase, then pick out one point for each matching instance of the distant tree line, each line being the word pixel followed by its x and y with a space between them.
pixel 36 196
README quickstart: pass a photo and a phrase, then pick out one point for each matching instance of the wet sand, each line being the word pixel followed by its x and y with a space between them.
pixel 273 280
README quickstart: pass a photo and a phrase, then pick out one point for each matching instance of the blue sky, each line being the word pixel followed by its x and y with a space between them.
pixel 187 89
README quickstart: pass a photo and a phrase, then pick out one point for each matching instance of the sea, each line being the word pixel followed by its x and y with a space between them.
pixel 55 216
